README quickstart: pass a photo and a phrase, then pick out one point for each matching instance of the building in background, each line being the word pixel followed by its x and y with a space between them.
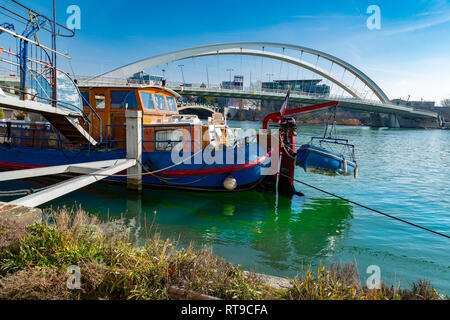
pixel 142 77
pixel 303 86
pixel 237 84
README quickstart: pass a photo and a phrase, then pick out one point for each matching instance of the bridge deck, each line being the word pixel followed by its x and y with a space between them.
pixel 350 103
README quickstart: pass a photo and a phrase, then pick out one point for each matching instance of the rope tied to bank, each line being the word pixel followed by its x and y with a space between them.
pixel 25 192
pixel 368 208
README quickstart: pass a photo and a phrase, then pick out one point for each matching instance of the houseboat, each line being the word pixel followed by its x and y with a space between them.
pixel 208 155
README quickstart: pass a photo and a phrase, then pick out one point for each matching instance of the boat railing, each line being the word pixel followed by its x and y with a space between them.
pixel 35 97
pixel 100 128
pixel 333 141
pixel 32 135
pixel 330 140
pixel 111 143
pixel 24 134
pixel 31 70
pixel 79 110
pixel 109 81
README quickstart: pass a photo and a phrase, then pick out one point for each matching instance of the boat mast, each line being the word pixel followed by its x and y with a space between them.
pixel 55 94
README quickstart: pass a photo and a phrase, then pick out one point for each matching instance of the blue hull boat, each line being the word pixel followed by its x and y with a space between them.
pixel 321 161
pixel 183 176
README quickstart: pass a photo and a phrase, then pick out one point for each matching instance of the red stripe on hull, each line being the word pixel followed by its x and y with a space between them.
pixel 18 166
pixel 205 172
pixel 177 173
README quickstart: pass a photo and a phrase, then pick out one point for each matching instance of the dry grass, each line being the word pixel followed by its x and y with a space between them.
pixel 11 233
pixel 34 260
pixel 342 282
pixel 204 273
pixel 35 284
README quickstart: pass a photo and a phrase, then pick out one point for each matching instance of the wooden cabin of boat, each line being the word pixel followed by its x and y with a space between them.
pixel 160 116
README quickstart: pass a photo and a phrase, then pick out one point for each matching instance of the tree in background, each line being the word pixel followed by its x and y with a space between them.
pixel 207 100
pixel 446 103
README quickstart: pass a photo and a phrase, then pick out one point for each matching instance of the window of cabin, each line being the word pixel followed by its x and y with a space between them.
pixel 147 100
pixel 100 101
pixel 123 100
pixel 161 102
pixel 166 140
pixel 172 104
pixel 85 98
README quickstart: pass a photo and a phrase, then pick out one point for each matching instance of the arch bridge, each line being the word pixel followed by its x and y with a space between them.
pixel 203 111
pixel 348 84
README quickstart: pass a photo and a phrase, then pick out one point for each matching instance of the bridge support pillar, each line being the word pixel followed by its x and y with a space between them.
pixel 393 121
pixel 376 120
pixel 134 149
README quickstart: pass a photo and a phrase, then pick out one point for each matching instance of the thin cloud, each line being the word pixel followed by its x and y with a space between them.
pixel 430 13
pixel 391 71
pixel 421 26
pixel 330 16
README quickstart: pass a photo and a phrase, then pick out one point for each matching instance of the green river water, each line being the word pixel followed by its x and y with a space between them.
pixel 405 173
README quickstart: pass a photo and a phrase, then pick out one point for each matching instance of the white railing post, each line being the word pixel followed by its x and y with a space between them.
pixel 134 149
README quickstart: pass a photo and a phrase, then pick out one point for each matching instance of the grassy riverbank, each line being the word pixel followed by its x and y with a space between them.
pixel 34 260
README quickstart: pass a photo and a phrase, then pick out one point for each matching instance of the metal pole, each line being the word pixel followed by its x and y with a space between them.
pixel 55 93
pixel 182 72
pixel 33 42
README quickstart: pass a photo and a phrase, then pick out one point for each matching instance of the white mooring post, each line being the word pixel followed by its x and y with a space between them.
pixel 134 148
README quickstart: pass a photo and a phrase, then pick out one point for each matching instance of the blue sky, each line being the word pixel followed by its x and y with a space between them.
pixel 410 55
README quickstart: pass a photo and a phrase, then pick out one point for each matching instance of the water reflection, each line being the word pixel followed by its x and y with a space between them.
pixel 299 234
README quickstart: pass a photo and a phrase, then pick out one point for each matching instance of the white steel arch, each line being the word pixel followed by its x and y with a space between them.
pixel 284 58
pixel 238 48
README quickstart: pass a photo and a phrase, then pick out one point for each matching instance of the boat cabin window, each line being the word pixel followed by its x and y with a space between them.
pixel 167 140
pixel 161 102
pixel 172 104
pixel 147 100
pixel 100 101
pixel 123 100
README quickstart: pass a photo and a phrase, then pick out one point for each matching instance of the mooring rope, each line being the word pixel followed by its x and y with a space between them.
pixel 370 209
pixel 25 192
pixel 146 172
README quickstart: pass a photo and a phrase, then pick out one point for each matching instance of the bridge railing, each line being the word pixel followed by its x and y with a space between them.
pixel 84 80
pixel 265 91
pixel 247 91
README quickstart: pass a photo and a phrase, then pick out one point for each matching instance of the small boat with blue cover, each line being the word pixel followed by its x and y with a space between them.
pixel 316 159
